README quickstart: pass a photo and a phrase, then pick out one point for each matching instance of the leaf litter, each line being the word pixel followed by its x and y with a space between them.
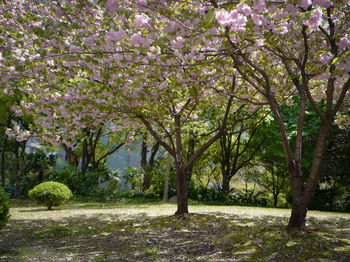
pixel 150 233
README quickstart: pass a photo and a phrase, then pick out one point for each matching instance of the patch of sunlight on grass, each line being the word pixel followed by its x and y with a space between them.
pixel 90 209
pixel 31 210
pixel 325 215
pixel 245 223
pixel 245 250
pixel 291 243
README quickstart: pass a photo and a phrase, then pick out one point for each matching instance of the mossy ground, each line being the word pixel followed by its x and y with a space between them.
pixel 149 232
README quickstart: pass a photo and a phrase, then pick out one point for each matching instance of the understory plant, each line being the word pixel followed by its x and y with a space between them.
pixel 50 194
pixel 4 208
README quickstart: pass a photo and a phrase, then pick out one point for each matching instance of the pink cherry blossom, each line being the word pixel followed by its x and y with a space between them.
pixel 112 6
pixel 305 3
pixel 323 3
pixel 343 42
pixel 136 40
pixel 9 133
pixel 142 21
pixel 315 20
pixel 244 8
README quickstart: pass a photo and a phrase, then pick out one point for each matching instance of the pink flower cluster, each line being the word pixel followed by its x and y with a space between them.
pixel 235 20
pixel 142 21
pixel 344 42
pixel 315 20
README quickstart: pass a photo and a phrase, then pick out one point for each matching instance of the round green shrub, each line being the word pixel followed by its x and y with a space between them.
pixel 50 194
pixel 4 208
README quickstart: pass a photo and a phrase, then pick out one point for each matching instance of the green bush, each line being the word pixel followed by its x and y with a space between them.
pixel 4 208
pixel 69 176
pixel 50 194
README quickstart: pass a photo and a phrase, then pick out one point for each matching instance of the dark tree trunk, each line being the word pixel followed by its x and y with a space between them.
pixel 181 191
pixel 302 196
pixel 84 158
pixel 41 175
pixel 17 171
pixel 166 183
pixel 298 216
pixel 225 183
pixel 275 199
pixel 71 158
pixel 146 178
pixel 3 150
pixel 154 151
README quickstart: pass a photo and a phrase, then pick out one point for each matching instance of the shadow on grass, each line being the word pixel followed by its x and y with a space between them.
pixel 193 237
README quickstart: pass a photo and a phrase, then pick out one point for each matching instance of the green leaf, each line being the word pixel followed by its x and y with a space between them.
pixel 335 60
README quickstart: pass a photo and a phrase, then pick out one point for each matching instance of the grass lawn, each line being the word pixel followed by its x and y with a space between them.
pixel 149 232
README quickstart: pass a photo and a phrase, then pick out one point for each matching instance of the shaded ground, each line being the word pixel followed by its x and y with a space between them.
pixel 148 232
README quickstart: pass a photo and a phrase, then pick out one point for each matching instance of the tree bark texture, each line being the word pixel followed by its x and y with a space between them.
pixel 2 161
pixel 84 158
pixel 71 158
pixel 166 183
pixel 181 191
pixel 146 178
pixel 17 170
pixel 302 196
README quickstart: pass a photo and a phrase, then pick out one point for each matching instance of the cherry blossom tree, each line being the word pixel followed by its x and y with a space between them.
pixel 91 64
pixel 283 50
pixel 162 63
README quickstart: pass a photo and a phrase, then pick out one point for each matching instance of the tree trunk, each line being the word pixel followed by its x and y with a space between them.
pixel 181 191
pixel 146 178
pixel 275 199
pixel 298 216
pixel 17 167
pixel 166 183
pixel 225 183
pixel 71 158
pixel 41 175
pixel 84 159
pixel 3 161
pixel 303 196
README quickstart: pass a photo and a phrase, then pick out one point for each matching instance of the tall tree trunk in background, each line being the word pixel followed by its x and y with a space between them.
pixel 41 175
pixel 71 158
pixel 144 165
pixel 166 183
pixel 2 161
pixel 275 200
pixel 17 170
pixel 225 142
pixel 154 151
pixel 146 178
pixel 225 182
pixel 93 139
pixel 84 158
